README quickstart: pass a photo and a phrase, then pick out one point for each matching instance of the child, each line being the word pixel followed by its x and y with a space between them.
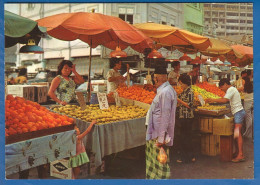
pixel 81 156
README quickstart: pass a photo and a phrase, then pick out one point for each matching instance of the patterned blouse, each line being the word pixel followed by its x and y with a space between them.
pixel 66 89
pixel 187 96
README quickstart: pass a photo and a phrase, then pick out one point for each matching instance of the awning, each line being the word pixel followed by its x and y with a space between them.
pixel 19 29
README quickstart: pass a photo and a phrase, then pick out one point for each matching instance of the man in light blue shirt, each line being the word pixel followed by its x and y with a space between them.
pixel 160 130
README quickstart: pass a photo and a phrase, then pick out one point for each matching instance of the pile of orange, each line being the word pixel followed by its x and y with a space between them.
pixel 211 88
pixel 136 93
pixel 150 87
pixel 23 116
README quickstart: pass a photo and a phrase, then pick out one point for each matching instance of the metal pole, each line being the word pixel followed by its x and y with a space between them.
pixel 89 71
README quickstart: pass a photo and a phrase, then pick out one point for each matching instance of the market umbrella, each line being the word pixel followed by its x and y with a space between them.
pixel 167 36
pixel 95 29
pixel 19 29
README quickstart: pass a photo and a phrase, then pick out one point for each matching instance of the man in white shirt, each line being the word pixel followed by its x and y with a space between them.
pixel 233 97
pixel 174 74
pixel 114 78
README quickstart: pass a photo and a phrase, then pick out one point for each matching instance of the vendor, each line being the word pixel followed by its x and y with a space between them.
pixel 233 97
pixel 21 79
pixel 174 74
pixel 114 77
pixel 62 89
pixel 194 73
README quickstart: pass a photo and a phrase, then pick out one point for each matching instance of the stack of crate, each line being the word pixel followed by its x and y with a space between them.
pixel 217 137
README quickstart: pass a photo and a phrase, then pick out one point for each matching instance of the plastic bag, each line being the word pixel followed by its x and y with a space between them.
pixel 162 156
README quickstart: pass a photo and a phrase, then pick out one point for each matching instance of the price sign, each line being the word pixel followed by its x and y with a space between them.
pixel 149 79
pixel 202 102
pixel 117 100
pixel 102 100
pixel 81 100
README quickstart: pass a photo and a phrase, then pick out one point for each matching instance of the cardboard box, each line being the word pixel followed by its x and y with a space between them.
pixel 60 169
pixel 206 125
pixel 223 127
pixel 40 93
pixel 26 91
pixel 210 144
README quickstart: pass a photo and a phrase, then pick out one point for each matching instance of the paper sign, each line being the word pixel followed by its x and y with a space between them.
pixel 117 100
pixel 81 100
pixel 149 79
pixel 202 102
pixel 102 100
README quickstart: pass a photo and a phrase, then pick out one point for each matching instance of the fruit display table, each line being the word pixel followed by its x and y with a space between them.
pixel 114 137
pixel 33 152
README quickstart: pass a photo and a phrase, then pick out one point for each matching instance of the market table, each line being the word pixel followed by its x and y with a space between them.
pixel 115 137
pixel 30 153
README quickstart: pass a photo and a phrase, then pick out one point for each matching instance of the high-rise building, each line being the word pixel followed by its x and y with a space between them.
pixel 227 19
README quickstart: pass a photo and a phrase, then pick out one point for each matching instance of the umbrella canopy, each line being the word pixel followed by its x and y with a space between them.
pixel 95 29
pixel 246 51
pixel 19 29
pixel 168 36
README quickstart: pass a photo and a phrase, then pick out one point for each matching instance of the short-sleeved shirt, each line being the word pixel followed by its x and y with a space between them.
pixel 174 76
pixel 20 80
pixel 66 89
pixel 234 99
pixel 112 86
pixel 188 97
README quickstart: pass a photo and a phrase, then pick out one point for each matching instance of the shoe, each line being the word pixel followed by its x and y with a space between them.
pixel 238 160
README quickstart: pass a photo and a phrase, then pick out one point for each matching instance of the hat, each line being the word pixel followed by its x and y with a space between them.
pixel 160 70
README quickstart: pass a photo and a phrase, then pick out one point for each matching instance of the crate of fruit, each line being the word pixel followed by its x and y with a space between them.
pixel 212 110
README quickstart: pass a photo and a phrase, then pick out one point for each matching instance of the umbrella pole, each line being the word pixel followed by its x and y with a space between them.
pixel 89 71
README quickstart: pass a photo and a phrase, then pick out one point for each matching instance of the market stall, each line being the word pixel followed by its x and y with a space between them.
pixel 34 135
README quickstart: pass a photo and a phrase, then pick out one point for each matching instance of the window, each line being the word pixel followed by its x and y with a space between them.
pixel 127 14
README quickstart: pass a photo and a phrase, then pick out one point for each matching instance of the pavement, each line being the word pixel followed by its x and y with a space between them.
pixel 130 164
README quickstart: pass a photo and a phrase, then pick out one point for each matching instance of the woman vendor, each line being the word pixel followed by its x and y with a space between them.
pixel 62 89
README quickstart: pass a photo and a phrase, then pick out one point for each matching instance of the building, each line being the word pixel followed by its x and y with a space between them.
pixel 194 17
pixel 227 19
pixel 78 51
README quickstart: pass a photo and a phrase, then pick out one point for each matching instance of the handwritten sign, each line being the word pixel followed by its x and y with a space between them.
pixel 102 100
pixel 117 100
pixel 202 102
pixel 81 100
pixel 149 79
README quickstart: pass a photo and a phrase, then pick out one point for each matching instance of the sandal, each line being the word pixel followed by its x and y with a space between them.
pixel 236 160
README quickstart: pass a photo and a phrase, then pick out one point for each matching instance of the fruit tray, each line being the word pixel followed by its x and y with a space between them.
pixel 39 133
pixel 213 112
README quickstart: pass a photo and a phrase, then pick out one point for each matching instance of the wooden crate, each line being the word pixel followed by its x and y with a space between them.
pixel 226 148
pixel 213 112
pixel 40 93
pixel 145 106
pixel 206 124
pixel 223 127
pixel 125 101
pixel 210 144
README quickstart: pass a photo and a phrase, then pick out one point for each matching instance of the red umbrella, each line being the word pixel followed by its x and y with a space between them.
pixel 95 29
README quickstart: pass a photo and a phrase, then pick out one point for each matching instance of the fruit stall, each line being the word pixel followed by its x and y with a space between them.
pixel 215 127
pixel 34 135
pixel 117 128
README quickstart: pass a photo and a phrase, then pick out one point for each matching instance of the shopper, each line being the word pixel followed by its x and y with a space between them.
pixel 174 74
pixel 233 97
pixel 114 77
pixel 248 106
pixel 194 73
pixel 81 156
pixel 161 123
pixel 240 82
pixel 186 120
pixel 62 89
